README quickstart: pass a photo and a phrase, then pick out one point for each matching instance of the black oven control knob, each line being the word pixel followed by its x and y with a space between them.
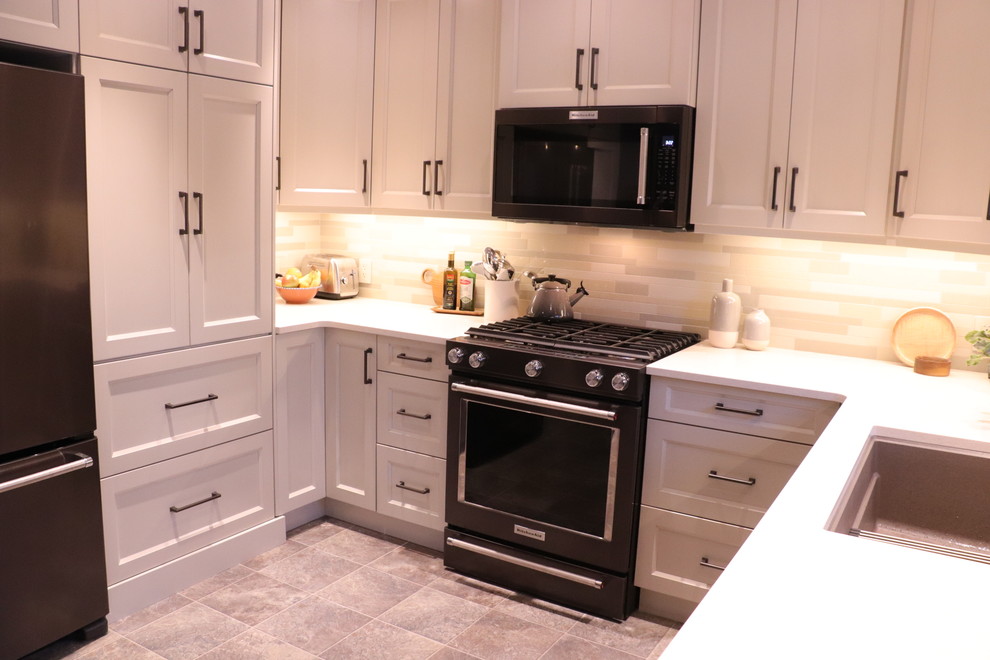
pixel 620 381
pixel 594 378
pixel 477 359
pixel 533 368
pixel 455 355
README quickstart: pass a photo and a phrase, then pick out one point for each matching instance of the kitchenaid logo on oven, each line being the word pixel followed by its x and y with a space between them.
pixel 531 533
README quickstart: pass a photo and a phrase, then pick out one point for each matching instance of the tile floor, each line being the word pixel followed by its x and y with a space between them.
pixel 335 590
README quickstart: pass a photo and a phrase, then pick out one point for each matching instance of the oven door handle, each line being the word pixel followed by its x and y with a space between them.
pixel 609 415
pixel 82 462
pixel 525 563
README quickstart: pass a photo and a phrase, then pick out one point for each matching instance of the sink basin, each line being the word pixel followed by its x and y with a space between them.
pixel 935 499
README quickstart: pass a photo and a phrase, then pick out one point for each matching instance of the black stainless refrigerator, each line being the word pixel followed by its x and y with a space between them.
pixel 52 566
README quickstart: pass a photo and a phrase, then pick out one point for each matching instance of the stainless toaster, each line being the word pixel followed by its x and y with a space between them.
pixel 339 275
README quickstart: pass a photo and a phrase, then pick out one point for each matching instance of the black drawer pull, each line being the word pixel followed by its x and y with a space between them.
pixel 403 356
pixel 897 213
pixel 213 496
pixel 201 15
pixel 755 413
pixel 185 29
pixel 402 411
pixel 773 193
pixel 712 474
pixel 403 486
pixel 707 564
pixel 367 379
pixel 173 406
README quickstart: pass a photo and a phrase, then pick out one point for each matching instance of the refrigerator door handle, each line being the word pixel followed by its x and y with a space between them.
pixel 43 475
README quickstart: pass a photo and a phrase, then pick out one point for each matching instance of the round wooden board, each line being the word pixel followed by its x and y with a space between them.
pixel 923 331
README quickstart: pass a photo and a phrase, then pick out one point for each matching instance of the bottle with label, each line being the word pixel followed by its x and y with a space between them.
pixel 450 284
pixel 465 288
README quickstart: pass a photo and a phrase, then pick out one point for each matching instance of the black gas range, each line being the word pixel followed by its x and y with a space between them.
pixel 546 424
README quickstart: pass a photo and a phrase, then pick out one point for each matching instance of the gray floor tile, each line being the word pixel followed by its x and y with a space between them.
pixel 434 614
pixel 360 546
pixel 499 636
pixel 150 613
pixel 277 553
pixel 637 635
pixel 314 532
pixel 569 647
pixel 314 624
pixel 188 632
pixel 310 569
pixel 256 645
pixel 381 641
pixel 254 599
pixel 413 563
pixel 369 591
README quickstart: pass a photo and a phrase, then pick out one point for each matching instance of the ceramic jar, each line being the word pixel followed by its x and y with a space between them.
pixel 756 331
pixel 723 331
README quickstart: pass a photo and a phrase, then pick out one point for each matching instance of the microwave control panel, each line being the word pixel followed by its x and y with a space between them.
pixel 666 181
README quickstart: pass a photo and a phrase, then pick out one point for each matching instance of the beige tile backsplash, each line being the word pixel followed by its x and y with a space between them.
pixel 829 297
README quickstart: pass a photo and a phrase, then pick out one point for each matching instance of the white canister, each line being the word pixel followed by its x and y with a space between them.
pixel 756 330
pixel 501 300
pixel 723 331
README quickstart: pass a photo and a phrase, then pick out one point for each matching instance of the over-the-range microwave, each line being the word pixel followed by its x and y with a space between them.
pixel 622 166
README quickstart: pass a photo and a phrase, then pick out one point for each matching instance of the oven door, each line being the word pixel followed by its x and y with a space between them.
pixel 554 473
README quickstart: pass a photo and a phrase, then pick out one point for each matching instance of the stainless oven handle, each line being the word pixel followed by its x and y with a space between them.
pixel 83 462
pixel 525 563
pixel 644 144
pixel 542 403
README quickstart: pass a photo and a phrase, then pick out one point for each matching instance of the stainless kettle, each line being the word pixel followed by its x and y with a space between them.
pixel 551 301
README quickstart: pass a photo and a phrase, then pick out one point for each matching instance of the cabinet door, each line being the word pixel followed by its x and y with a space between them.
pixel 350 417
pixel 846 63
pixel 744 99
pixel 945 145
pixel 326 92
pixel 300 437
pixel 466 105
pixel 230 209
pixel 545 56
pixel 643 52
pixel 47 23
pixel 149 32
pixel 233 39
pixel 136 168
pixel 407 33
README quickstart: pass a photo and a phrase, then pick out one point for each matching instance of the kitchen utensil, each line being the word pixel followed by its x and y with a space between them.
pixel 435 279
pixel 479 269
pixel 551 301
pixel 923 331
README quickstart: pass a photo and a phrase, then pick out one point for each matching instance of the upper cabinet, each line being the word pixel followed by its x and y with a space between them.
pixel 326 95
pixel 434 104
pixel 47 23
pixel 598 52
pixel 942 179
pixel 795 120
pixel 224 38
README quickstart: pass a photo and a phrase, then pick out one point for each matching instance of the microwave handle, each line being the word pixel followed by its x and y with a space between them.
pixel 644 144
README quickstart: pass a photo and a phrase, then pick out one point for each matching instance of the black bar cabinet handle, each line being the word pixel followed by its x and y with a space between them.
pixel 404 413
pixel 367 352
pixel 773 194
pixel 712 474
pixel 185 29
pixel 577 69
pixel 201 15
pixel 724 408
pixel 199 198
pixel 436 177
pixel 364 176
pixel 403 486
pixel 594 68
pixel 208 397
pixel 184 196
pixel 426 175
pixel 213 496
pixel 403 356
pixel 897 193
pixel 794 173
pixel 278 172
pixel 708 564
pixel 988 207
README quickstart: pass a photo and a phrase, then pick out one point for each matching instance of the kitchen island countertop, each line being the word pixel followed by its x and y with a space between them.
pixel 796 590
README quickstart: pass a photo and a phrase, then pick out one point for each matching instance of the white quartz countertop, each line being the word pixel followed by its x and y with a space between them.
pixel 796 590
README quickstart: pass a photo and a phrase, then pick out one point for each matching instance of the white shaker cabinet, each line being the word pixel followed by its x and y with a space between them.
pixel 942 179
pixel 434 103
pixel 326 95
pixel 598 52
pixel 795 121
pixel 224 38
pixel 180 208
pixel 46 23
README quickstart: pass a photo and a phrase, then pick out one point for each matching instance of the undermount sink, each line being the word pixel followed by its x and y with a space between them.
pixel 925 497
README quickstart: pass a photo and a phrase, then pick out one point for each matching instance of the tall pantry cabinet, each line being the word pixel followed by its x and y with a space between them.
pixel 179 132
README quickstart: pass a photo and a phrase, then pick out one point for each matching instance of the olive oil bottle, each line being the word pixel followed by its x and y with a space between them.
pixel 450 284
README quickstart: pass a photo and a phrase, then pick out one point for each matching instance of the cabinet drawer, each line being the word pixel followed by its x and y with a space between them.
pixel 676 552
pixel 216 492
pixel 216 393
pixel 412 358
pixel 780 416
pixel 411 486
pixel 412 414
pixel 698 471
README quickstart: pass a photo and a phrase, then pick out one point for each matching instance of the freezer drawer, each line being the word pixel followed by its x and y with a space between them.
pixel 52 576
